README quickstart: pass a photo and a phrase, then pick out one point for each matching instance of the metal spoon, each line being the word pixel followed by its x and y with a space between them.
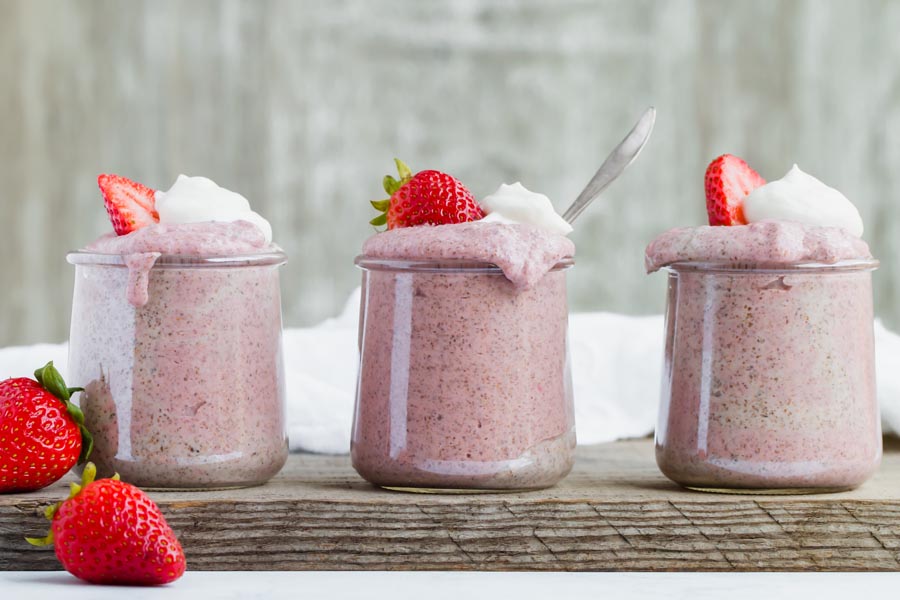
pixel 621 156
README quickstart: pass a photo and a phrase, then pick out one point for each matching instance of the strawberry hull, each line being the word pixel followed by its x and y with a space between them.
pixel 184 390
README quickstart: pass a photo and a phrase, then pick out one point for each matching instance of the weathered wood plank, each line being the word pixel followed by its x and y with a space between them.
pixel 615 512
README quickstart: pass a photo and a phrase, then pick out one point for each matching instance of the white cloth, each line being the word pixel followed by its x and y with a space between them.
pixel 616 368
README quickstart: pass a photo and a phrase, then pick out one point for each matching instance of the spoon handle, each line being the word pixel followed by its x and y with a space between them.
pixel 621 156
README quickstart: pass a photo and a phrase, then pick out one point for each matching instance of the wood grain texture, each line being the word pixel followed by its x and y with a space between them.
pixel 301 105
pixel 614 512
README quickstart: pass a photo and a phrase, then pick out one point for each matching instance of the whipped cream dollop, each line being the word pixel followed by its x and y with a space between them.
pixel 512 204
pixel 200 200
pixel 802 198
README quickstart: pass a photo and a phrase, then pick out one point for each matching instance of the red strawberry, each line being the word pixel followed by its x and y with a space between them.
pixel 42 433
pixel 109 531
pixel 131 205
pixel 426 198
pixel 728 181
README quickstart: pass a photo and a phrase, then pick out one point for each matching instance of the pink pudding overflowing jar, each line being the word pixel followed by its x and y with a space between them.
pixel 769 372
pixel 176 338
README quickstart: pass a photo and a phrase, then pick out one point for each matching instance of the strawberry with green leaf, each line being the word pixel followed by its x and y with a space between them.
pixel 42 433
pixel 109 531
pixel 426 198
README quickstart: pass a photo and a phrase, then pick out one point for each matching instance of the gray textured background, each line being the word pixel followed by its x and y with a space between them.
pixel 300 106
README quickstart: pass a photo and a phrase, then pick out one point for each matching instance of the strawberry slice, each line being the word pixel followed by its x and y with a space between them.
pixel 131 205
pixel 728 181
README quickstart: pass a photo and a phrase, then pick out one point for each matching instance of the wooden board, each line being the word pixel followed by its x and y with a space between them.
pixel 614 512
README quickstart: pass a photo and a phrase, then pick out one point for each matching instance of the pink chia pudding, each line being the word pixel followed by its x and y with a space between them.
pixel 769 378
pixel 176 338
pixel 464 379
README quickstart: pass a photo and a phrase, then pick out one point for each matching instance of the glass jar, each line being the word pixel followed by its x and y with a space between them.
pixel 187 390
pixel 769 378
pixel 464 381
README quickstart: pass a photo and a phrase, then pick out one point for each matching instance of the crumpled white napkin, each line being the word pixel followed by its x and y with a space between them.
pixel 616 368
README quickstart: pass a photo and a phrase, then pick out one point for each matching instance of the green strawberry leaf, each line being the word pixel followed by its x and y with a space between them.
pixel 50 378
pixel 391 185
pixel 381 205
pixel 40 542
pixel 87 444
pixel 75 412
pixel 404 171
pixel 53 382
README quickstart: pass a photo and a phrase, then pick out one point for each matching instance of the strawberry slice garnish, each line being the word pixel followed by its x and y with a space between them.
pixel 131 205
pixel 426 198
pixel 728 181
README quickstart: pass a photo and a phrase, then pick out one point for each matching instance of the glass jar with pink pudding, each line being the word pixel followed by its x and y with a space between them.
pixel 176 338
pixel 464 381
pixel 769 373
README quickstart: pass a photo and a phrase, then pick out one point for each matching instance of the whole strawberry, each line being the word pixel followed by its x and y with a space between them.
pixel 42 433
pixel 109 531
pixel 426 198
pixel 728 181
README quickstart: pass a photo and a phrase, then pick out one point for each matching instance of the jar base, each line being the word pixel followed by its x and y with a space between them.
pixel 212 488
pixel 459 491
pixel 789 491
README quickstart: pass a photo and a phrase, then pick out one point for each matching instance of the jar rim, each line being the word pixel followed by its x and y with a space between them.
pixel 181 261
pixel 749 268
pixel 440 265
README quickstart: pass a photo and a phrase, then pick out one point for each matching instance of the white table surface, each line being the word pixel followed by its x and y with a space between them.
pixel 17 585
